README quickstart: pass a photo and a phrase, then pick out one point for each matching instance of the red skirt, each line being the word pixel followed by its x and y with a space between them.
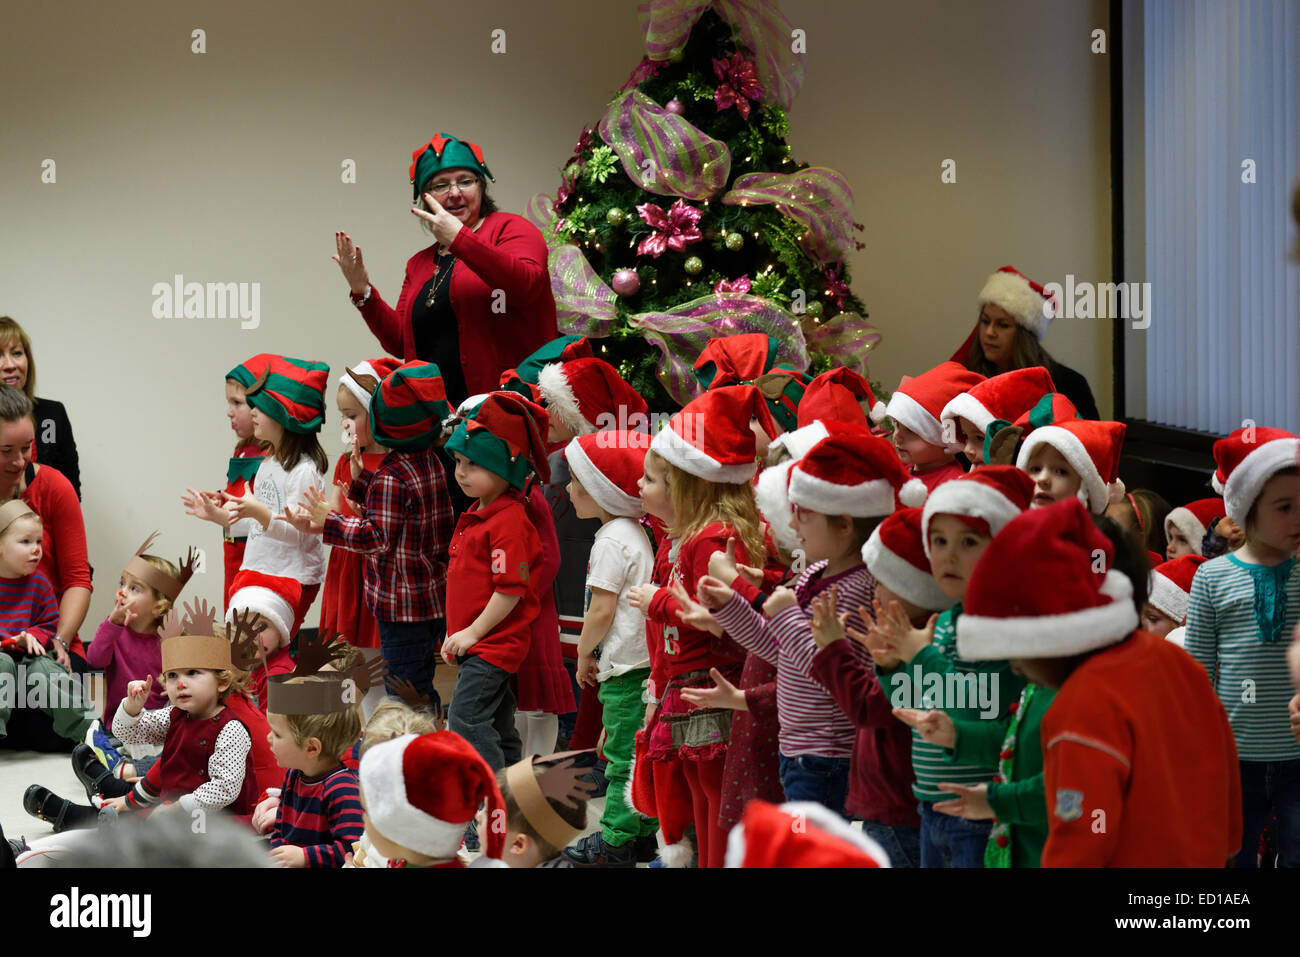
pixel 753 769
pixel 343 607
pixel 542 682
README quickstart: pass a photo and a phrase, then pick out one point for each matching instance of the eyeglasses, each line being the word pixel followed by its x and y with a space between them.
pixel 464 185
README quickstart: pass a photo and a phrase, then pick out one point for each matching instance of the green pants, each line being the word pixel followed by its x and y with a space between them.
pixel 623 713
pixel 37 681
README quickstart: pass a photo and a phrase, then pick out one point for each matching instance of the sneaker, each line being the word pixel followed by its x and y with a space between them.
pixel 592 851
pixel 471 837
pixel 99 741
pixel 647 849
pixel 597 776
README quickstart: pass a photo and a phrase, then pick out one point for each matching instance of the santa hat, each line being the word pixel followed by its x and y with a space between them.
pixel 711 439
pixel 895 555
pixel 608 465
pixel 275 599
pixel 1051 409
pixel 246 373
pixel 852 472
pixel 1029 304
pixel 918 403
pixel 1171 586
pixel 587 394
pixel 377 369
pixel 410 406
pixel 1246 460
pixel 840 395
pixel 505 434
pixel 562 349
pixel 422 791
pixel 1193 519
pixel 292 392
pixel 1036 591
pixel 772 491
pixel 1007 397
pixel 1092 448
pixel 799 834
pixel 987 498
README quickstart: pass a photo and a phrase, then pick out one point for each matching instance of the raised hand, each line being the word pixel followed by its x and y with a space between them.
pixel 712 592
pixel 356 464
pixel 445 226
pixel 723 694
pixel 137 693
pixel 972 801
pixel 895 630
pixel 875 644
pixel 316 505
pixel 692 612
pixel 351 264
pixel 933 726
pixel 205 505
pixel 779 601
pixel 246 506
pixel 640 596
pixel 827 623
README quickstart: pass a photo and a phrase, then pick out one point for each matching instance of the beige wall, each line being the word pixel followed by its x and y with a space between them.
pixel 225 167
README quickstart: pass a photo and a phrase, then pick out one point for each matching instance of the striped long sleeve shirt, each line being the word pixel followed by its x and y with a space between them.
pixel 27 604
pixel 811 722
pixel 321 814
pixel 1248 674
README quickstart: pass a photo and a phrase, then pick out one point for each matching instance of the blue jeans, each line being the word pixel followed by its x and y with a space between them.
pixel 811 777
pixel 410 648
pixel 948 841
pixel 482 711
pixel 1270 787
pixel 902 844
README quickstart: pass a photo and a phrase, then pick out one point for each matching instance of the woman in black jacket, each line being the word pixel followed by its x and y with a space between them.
pixel 55 445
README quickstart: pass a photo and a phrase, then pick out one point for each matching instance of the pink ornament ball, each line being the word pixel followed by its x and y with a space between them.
pixel 627 282
pixel 674 106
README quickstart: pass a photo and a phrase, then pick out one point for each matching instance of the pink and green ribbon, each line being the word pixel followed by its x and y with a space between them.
pixel 662 152
pixel 817 198
pixel 584 304
pixel 849 338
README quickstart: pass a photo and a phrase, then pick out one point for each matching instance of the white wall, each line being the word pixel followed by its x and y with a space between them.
pixel 225 167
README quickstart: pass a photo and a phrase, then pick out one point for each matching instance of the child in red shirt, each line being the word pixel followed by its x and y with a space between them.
pixel 495 552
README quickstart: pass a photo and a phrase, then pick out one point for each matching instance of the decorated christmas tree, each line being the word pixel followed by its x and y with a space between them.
pixel 682 215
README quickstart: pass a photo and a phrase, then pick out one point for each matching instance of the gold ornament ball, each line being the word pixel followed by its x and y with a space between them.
pixel 735 242
pixel 815 309
pixel 693 266
pixel 615 216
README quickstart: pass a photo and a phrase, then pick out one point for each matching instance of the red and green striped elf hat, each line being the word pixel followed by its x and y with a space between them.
pixel 246 373
pixel 292 391
pixel 409 407
pixel 750 359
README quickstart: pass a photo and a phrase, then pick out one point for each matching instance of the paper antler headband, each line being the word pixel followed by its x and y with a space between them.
pixel 338 691
pixel 560 781
pixel 191 643
pixel 156 578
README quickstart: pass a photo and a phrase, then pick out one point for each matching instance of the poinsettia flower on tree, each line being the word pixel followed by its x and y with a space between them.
pixel 672 229
pixel 737 84
pixel 839 289
pixel 734 287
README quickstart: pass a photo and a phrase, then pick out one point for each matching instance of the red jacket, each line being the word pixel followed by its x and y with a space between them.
pixel 507 253
pixel 1139 763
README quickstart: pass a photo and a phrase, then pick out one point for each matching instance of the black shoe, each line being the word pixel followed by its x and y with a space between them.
pixel 8 851
pixel 647 849
pixel 94 776
pixel 597 776
pixel 592 851
pixel 41 802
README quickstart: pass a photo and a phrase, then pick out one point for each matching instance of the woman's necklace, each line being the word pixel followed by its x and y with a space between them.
pixel 444 271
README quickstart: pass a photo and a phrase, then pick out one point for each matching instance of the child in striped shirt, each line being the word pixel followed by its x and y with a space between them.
pixel 312 723
pixel 851 478
pixel 1241 610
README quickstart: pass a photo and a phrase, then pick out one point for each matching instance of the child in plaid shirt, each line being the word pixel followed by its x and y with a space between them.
pixel 405 524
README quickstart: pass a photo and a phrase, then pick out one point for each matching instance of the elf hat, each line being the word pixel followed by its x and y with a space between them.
pixel 1036 591
pixel 588 394
pixel 1028 303
pixel 409 407
pixel 274 598
pixel 563 349
pixel 1171 586
pixel 1247 459
pixel 987 499
pixel 422 791
pixel 1051 409
pixel 711 439
pixel 799 834
pixel 292 392
pixel 444 152
pixel 1092 449
pixel 1007 396
pixel 1193 519
pixel 246 373
pixel 608 465
pixel 772 491
pixel 377 369
pixel 919 402
pixel 852 472
pixel 750 359
pixel 896 557
pixel 505 434
pixel 840 395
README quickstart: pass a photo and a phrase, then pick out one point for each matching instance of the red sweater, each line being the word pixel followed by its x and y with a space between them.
pixel 508 253
pixel 64 561
pixel 1139 762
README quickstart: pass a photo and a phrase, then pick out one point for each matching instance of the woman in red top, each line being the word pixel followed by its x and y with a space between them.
pixel 63 560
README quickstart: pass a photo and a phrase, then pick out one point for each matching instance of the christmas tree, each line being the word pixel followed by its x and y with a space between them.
pixel 682 215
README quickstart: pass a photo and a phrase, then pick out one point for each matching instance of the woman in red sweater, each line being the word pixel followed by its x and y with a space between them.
pixel 63 559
